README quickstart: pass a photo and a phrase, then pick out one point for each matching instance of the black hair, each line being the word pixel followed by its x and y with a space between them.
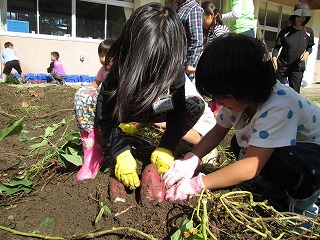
pixel 237 65
pixel 8 44
pixel 55 54
pixel 146 58
pixel 104 46
pixel 292 20
pixel 218 17
pixel 208 7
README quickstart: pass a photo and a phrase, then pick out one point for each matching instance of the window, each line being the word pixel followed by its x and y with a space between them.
pixel 93 17
pixel 90 20
pixel 96 19
pixel 22 15
pixel 116 19
pixel 55 17
pixel 271 19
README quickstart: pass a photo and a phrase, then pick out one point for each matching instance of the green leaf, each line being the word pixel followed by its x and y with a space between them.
pixel 9 190
pixel 38 145
pixel 72 151
pixel 17 181
pixel 199 236
pixel 176 235
pixel 23 137
pixel 62 161
pixel 74 138
pixel 105 207
pixel 187 224
pixel 74 159
pixel 48 223
pixel 49 132
pixel 184 226
pixel 12 128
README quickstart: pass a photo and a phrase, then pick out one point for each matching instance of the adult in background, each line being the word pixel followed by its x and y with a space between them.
pixel 191 15
pixel 240 17
pixel 296 42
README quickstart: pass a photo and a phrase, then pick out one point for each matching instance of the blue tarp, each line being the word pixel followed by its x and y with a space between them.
pixel 17 26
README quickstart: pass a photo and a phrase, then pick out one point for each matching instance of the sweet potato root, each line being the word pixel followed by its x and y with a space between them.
pixel 117 191
pixel 152 187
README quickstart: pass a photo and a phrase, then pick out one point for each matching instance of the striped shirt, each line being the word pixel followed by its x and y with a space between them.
pixel 209 35
pixel 191 15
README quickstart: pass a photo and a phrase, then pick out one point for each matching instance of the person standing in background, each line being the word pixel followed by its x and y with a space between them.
pixel 296 42
pixel 213 26
pixel 240 17
pixel 191 15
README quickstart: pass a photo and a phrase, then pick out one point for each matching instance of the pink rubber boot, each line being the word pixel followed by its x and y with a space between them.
pixel 93 155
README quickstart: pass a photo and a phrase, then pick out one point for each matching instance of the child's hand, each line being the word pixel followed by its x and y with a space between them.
pixel 190 69
pixel 180 169
pixel 126 170
pixel 163 159
pixel 185 187
pixel 128 128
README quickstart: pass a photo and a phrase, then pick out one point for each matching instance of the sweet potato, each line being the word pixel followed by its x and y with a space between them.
pixel 152 187
pixel 117 191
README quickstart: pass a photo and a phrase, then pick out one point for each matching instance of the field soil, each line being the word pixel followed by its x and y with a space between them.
pixel 60 207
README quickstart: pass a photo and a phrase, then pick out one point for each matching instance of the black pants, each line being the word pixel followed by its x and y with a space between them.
pixel 294 78
pixel 295 168
pixel 12 64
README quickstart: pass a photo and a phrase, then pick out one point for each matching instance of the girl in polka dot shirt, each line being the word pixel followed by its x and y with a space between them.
pixel 277 131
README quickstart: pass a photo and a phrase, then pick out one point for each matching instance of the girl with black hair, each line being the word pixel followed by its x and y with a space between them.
pixel 277 131
pixel 146 84
pixel 295 42
pixel 213 26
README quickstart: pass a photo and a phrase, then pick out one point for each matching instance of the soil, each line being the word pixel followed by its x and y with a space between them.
pixel 73 206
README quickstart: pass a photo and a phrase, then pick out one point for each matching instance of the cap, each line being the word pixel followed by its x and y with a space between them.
pixel 301 10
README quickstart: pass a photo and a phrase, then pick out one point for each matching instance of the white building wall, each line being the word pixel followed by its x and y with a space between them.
pixel 34 52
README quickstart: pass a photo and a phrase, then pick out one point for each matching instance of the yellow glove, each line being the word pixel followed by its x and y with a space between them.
pixel 126 170
pixel 163 159
pixel 128 128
